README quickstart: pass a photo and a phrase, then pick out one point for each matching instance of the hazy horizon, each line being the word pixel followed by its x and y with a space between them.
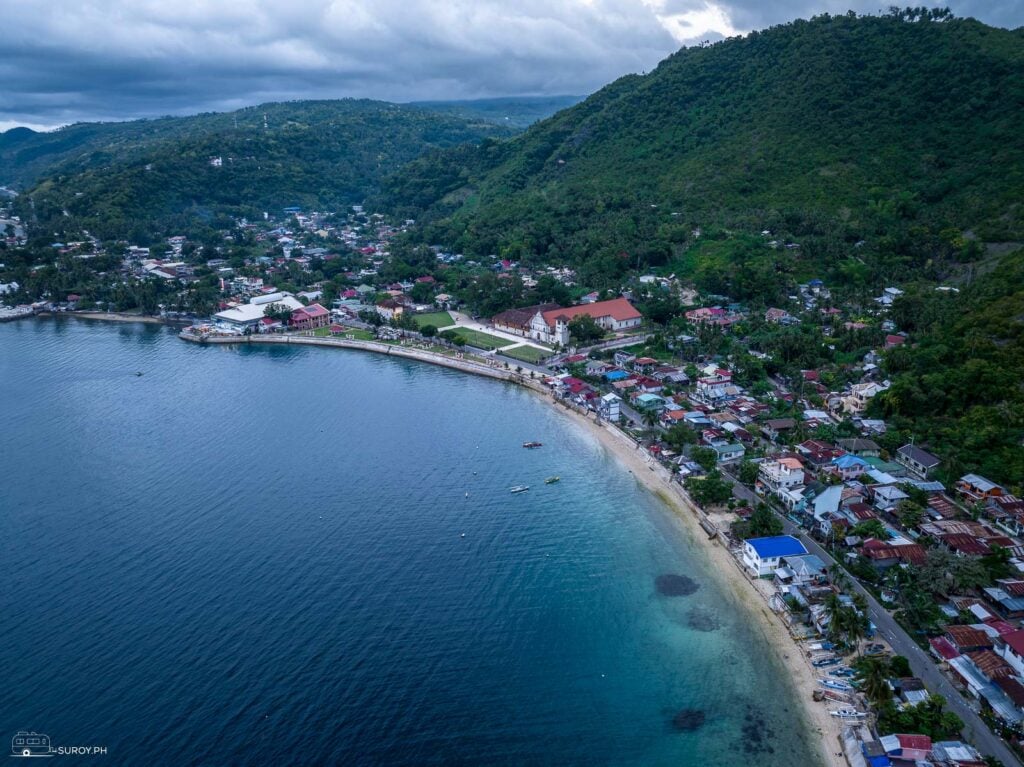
pixel 71 63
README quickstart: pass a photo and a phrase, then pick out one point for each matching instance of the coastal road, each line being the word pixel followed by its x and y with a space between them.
pixel 921 663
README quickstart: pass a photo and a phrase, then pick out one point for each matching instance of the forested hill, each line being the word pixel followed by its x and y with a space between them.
pixel 27 155
pixel 143 178
pixel 958 387
pixel 901 133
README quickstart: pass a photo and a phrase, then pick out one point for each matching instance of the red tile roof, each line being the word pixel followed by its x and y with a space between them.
pixel 619 309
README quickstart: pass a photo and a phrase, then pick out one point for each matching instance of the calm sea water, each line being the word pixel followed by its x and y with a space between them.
pixel 268 556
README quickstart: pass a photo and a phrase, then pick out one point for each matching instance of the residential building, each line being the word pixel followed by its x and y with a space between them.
pixel 762 556
pixel 310 317
pixel 977 488
pixel 920 462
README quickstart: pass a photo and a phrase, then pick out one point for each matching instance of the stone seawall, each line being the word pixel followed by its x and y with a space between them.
pixel 467 366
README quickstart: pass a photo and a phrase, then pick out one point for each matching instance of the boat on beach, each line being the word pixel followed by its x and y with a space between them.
pixel 848 713
pixel 519 489
pixel 834 684
pixel 822 662
pixel 532 445
pixel 551 480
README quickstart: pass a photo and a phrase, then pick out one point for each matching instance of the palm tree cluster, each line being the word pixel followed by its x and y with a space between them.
pixel 848 620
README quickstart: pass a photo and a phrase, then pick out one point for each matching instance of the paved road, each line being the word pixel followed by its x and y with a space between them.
pixel 975 730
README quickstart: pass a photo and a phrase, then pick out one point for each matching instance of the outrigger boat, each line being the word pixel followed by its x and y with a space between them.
pixel 848 713
pixel 551 480
pixel 834 684
pixel 519 489
pixel 532 445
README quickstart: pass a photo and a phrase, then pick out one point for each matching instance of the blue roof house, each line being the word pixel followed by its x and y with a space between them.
pixel 762 556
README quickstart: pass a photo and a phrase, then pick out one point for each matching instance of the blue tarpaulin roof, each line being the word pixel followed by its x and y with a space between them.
pixel 777 546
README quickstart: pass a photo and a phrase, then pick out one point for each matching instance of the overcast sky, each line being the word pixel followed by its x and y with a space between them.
pixel 67 60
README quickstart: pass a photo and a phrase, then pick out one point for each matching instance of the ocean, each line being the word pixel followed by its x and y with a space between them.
pixel 277 555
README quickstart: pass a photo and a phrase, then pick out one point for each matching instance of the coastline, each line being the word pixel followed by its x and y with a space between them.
pixel 821 726
pixel 106 317
pixel 824 728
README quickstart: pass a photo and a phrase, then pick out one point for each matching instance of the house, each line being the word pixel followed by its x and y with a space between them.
pixel 920 462
pixel 977 488
pixel 860 394
pixel 888 497
pixel 552 326
pixel 785 473
pixel 776 427
pixel 732 451
pixel 863 448
pixel 762 556
pixel 968 639
pixel 907 748
pixel 780 317
pixel 609 408
pixel 389 309
pixel 310 317
pixel 848 466
pixel 800 570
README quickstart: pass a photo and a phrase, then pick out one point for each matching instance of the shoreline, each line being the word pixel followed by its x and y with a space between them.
pixel 106 317
pixel 821 726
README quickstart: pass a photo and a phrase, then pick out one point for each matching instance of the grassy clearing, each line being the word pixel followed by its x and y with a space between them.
pixel 527 354
pixel 481 340
pixel 437 319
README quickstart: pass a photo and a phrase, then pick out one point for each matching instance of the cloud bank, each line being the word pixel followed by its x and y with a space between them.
pixel 69 60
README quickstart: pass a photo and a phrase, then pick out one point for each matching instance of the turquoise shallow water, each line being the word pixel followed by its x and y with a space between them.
pixel 256 556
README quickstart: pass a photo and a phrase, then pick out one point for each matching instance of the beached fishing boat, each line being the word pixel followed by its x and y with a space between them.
pixel 844 671
pixel 532 445
pixel 833 684
pixel 519 489
pixel 848 713
pixel 826 662
pixel 551 480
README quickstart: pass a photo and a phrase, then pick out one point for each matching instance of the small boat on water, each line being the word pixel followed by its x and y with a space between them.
pixel 551 480
pixel 834 684
pixel 848 713
pixel 532 445
pixel 519 489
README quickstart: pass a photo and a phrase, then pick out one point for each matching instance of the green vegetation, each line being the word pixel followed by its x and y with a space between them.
pixel 437 319
pixel 957 388
pixel 871 143
pixel 712 490
pixel 481 340
pixel 148 178
pixel 529 354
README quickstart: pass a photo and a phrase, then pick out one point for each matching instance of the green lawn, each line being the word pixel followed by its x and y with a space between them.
pixel 437 319
pixel 357 333
pixel 527 354
pixel 481 340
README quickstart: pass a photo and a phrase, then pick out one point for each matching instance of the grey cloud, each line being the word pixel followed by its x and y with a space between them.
pixel 68 60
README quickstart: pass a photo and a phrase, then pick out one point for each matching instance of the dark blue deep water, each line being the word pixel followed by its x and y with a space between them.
pixel 255 556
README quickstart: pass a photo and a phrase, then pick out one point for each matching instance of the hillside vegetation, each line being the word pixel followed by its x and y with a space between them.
pixel 884 146
pixel 145 178
pixel 958 388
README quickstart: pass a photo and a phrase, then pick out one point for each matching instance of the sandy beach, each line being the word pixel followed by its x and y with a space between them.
pixel 657 480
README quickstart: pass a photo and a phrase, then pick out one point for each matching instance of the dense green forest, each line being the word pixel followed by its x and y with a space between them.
pixel 883 146
pixel 26 156
pixel 958 387
pixel 298 153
